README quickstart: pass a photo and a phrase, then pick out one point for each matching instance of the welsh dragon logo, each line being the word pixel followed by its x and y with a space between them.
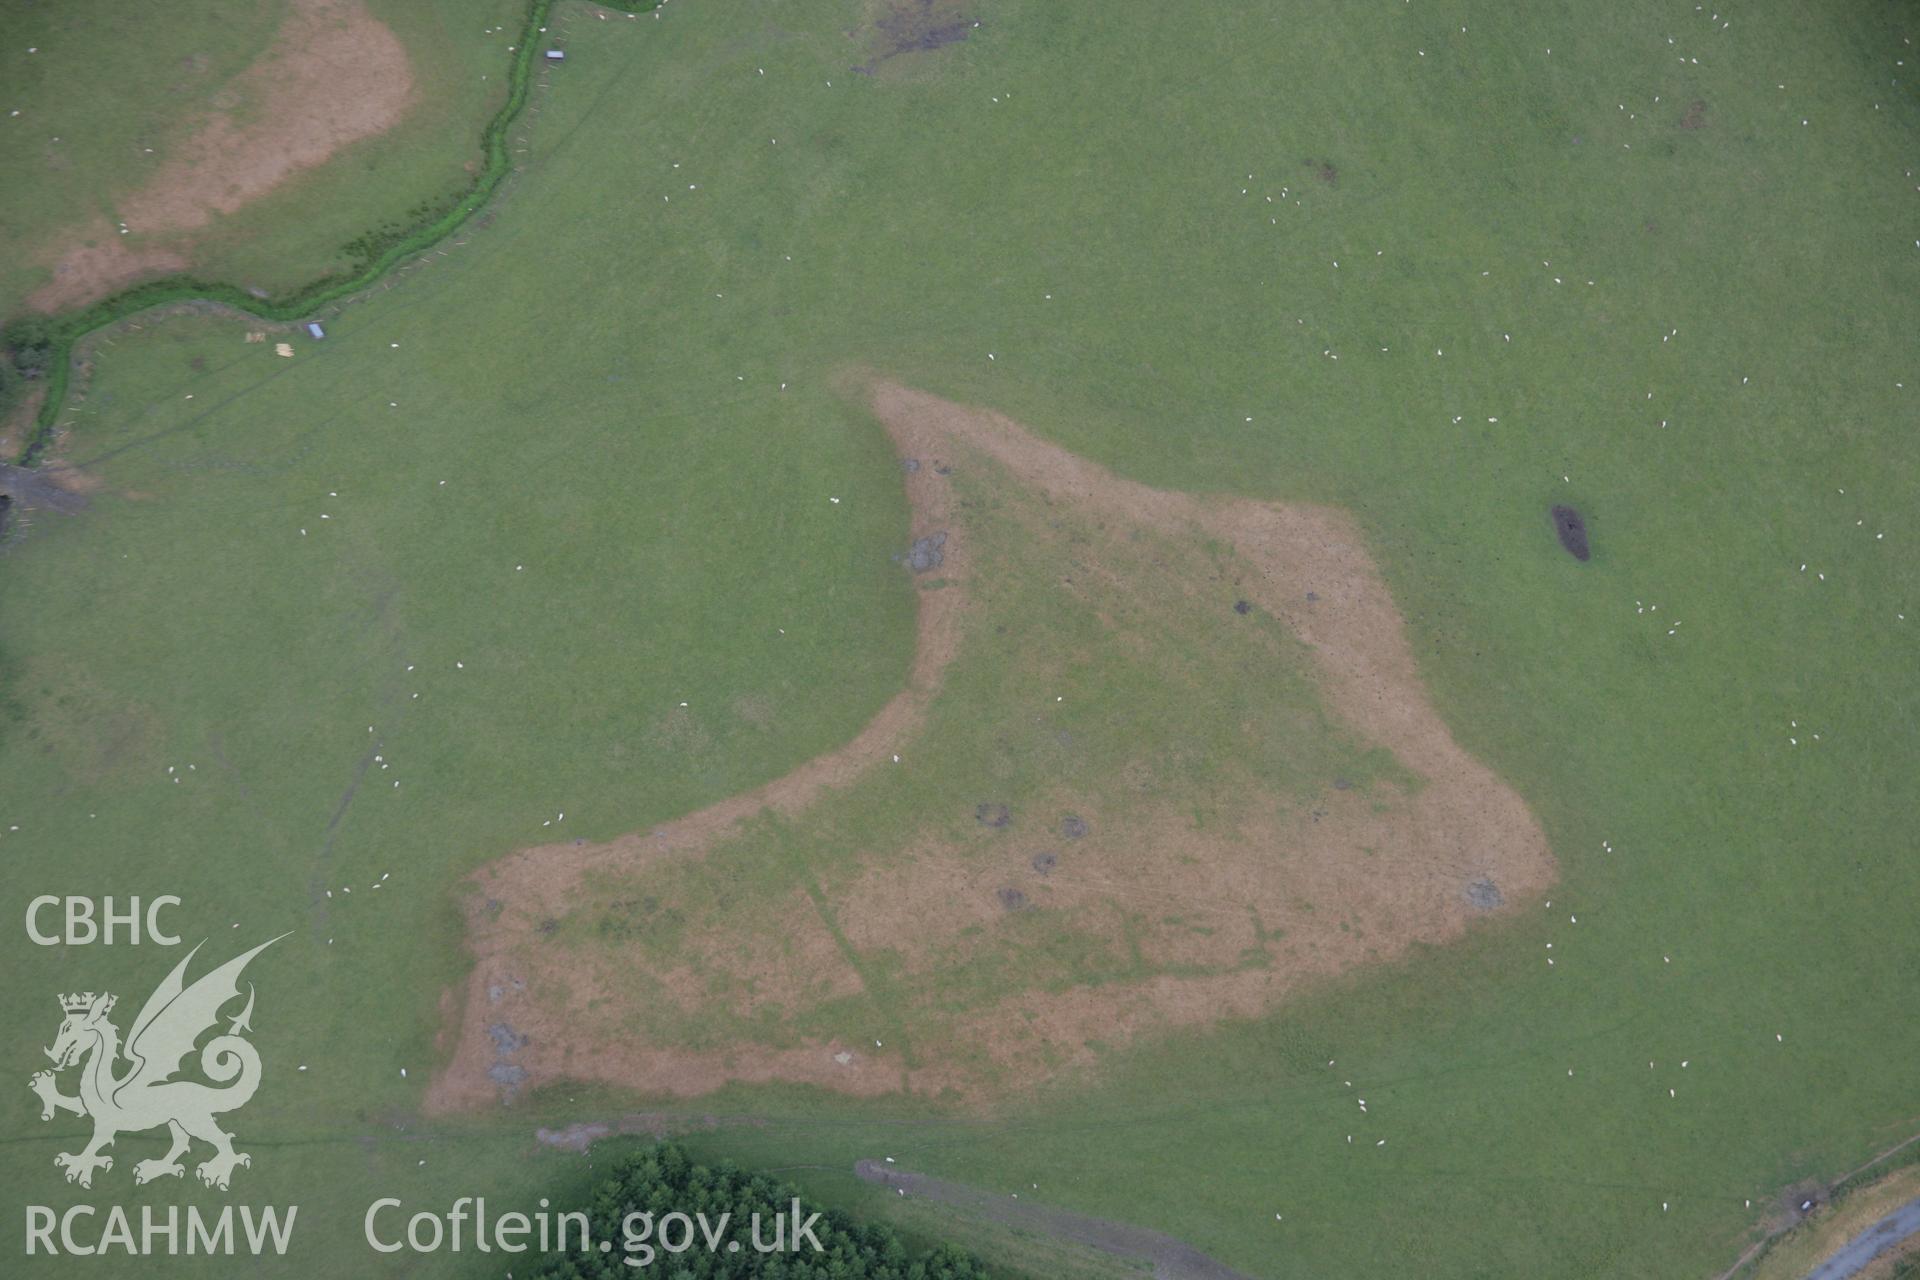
pixel 146 1095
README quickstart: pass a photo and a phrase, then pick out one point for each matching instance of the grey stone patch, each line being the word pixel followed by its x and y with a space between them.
pixel 506 1039
pixel 1313 597
pixel 1243 607
pixel 993 815
pixel 32 489
pixel 909 465
pixel 1011 898
pixel 654 1124
pixel 506 1042
pixel 927 552
pixel 1342 784
pixel 575 1137
pixel 1044 863
pixel 1484 894
pixel 495 991
pixel 1074 827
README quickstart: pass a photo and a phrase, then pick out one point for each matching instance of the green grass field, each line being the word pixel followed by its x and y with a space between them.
pixel 110 93
pixel 714 204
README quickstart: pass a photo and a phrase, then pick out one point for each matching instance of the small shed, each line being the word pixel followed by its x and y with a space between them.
pixel 314 330
pixel 556 55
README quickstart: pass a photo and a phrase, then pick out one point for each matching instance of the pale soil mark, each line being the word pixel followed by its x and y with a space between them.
pixel 1307 567
pixel 333 76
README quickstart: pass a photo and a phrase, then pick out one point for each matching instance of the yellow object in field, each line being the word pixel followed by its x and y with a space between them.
pixel 283 349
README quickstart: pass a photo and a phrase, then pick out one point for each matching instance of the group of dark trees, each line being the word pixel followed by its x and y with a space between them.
pixel 648 1208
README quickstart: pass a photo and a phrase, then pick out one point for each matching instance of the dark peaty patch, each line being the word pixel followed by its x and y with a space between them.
pixel 1572 531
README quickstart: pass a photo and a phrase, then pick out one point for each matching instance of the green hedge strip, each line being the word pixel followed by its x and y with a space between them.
pixel 68 329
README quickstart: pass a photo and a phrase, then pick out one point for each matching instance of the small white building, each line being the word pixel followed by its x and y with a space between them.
pixel 314 330
pixel 556 55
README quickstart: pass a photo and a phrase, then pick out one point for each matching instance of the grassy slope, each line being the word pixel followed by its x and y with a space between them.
pixel 108 82
pixel 572 375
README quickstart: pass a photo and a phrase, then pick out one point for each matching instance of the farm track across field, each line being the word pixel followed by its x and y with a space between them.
pixel 1887 1233
pixel 1172 1259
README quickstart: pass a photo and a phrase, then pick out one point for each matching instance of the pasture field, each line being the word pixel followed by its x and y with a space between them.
pixel 549 527
pixel 241 143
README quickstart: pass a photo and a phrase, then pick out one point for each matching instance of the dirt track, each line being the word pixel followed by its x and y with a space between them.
pixel 1398 864
pixel 1171 1259
pixel 1884 1235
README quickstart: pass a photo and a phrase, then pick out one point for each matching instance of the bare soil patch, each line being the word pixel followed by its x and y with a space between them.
pixel 333 76
pixel 1226 917
pixel 1696 115
pixel 105 265
pixel 653 1124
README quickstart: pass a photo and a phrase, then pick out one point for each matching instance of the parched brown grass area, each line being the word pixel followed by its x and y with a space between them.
pixel 982 958
pixel 91 271
pixel 334 75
